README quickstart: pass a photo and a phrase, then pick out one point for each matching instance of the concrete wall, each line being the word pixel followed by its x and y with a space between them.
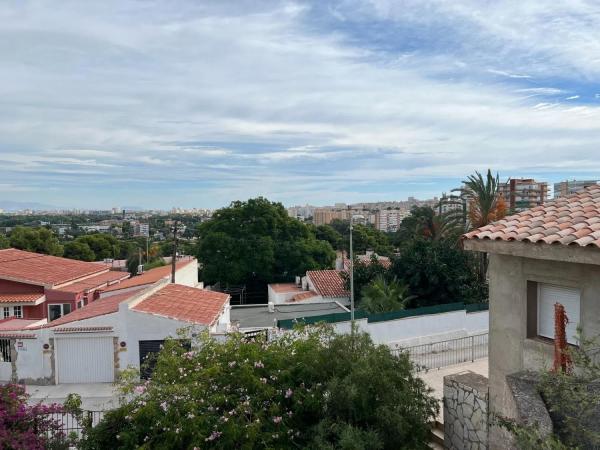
pixel 280 297
pixel 422 329
pixel 510 349
pixel 188 275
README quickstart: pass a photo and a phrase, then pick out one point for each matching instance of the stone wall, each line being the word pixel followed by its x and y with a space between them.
pixel 466 411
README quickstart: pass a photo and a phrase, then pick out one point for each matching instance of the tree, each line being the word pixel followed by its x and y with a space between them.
pixel 103 245
pixel 384 295
pixel 4 242
pixel 485 202
pixel 79 250
pixel 365 272
pixel 257 240
pixel 424 223
pixel 38 240
pixel 329 234
pixel 438 272
pixel 307 389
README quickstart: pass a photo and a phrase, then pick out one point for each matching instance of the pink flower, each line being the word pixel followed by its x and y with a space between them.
pixel 277 419
pixel 259 365
pixel 140 389
pixel 288 393
pixel 163 405
pixel 214 435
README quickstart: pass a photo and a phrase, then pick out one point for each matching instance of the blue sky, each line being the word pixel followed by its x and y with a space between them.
pixel 198 103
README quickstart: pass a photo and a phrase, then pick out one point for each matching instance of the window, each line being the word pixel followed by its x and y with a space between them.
pixel 6 312
pixel 18 311
pixel 5 355
pixel 59 310
pixel 541 298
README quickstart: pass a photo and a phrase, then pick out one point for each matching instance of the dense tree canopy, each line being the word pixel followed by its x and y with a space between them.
pixel 439 272
pixel 93 247
pixel 309 389
pixel 4 242
pixel 38 240
pixel 364 237
pixel 384 295
pixel 257 239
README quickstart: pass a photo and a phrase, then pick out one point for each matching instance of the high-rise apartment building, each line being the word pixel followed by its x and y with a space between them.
pixel 389 220
pixel 568 187
pixel 524 193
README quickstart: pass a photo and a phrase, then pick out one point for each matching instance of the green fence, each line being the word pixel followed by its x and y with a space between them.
pixel 402 314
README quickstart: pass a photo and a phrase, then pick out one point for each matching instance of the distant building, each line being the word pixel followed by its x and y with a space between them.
pixel 524 193
pixel 389 220
pixel 568 187
pixel 141 229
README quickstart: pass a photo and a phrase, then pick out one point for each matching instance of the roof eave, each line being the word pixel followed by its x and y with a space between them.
pixel 552 252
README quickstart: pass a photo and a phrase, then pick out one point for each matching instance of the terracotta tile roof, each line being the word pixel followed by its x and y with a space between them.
pixel 96 282
pixel 185 303
pixel 14 324
pixel 149 277
pixel 82 329
pixel 285 287
pixel 28 297
pixel 305 295
pixel 43 269
pixel 365 259
pixel 17 336
pixel 100 307
pixel 328 283
pixel 571 220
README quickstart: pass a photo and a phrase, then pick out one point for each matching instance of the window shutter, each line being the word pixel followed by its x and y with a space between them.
pixel 570 298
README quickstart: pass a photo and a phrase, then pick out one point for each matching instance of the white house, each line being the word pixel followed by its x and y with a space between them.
pixel 94 343
pixel 317 286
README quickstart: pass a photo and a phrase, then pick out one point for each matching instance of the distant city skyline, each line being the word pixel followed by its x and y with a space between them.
pixel 188 103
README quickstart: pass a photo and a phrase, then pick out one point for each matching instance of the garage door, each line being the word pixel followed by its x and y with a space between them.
pixel 85 360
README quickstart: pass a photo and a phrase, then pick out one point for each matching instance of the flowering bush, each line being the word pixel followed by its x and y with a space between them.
pixel 27 427
pixel 310 389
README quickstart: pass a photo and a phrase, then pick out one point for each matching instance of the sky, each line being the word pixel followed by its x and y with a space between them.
pixel 198 103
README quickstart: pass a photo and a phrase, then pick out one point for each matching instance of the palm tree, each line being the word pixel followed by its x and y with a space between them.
pixel 486 205
pixel 383 296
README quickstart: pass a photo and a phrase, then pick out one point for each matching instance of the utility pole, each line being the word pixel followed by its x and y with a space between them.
pixel 147 252
pixel 174 259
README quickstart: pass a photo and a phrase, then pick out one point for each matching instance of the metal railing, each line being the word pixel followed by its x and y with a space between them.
pixel 69 425
pixel 5 355
pixel 446 353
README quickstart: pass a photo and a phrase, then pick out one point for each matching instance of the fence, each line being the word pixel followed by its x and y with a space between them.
pixel 449 352
pixel 70 425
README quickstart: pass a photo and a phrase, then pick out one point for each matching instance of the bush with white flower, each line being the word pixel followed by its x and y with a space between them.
pixel 309 389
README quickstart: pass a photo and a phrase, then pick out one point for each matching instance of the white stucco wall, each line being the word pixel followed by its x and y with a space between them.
pixel 188 275
pixel 280 297
pixel 422 329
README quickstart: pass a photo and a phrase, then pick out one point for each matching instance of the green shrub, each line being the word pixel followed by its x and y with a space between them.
pixel 307 389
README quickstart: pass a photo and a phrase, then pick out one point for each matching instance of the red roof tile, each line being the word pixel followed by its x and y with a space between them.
pixel 43 269
pixel 149 277
pixel 28 297
pixel 96 282
pixel 17 336
pixel 571 220
pixel 285 287
pixel 99 307
pixel 14 324
pixel 185 303
pixel 328 283
pixel 82 329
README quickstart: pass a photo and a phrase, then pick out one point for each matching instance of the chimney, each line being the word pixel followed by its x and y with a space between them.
pixel 298 281
pixel 271 307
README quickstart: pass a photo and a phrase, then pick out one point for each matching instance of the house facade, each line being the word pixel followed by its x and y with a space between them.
pixel 537 258
pixel 96 342
pixel 42 287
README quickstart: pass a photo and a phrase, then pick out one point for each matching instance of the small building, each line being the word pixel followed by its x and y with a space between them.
pixel 96 342
pixel 539 257
pixel 317 286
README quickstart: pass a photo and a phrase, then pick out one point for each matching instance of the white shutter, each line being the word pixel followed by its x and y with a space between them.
pixel 570 298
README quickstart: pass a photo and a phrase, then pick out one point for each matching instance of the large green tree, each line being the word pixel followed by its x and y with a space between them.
pixel 439 272
pixel 79 250
pixel 4 242
pixel 103 245
pixel 364 237
pixel 38 240
pixel 312 389
pixel 257 239
pixel 384 295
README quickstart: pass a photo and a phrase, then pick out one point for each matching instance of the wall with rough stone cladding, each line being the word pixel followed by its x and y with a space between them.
pixel 466 411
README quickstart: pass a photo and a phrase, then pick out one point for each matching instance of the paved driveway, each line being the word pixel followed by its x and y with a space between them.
pixel 94 397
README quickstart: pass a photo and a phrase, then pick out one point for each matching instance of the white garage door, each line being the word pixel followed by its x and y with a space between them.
pixel 570 298
pixel 85 360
